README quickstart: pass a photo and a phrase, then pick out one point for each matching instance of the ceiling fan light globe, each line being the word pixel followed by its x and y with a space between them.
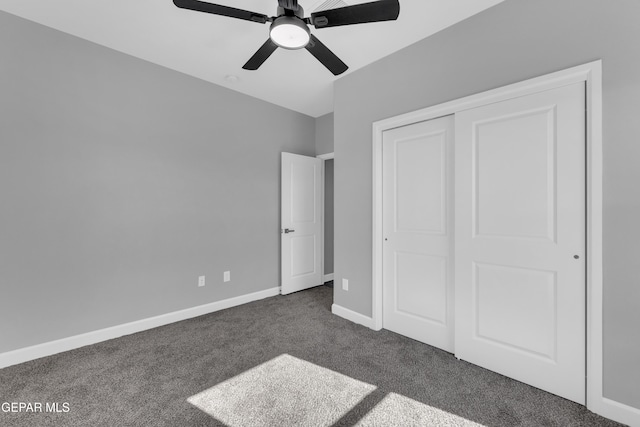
pixel 289 32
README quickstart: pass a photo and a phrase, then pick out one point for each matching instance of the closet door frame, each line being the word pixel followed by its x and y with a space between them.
pixel 591 75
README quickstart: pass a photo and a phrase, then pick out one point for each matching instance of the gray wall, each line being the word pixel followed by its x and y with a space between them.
pixel 121 182
pixel 328 217
pixel 324 134
pixel 324 145
pixel 511 42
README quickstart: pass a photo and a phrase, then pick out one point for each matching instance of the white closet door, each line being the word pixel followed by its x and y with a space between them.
pixel 520 239
pixel 417 267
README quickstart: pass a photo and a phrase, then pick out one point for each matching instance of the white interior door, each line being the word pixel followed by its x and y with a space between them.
pixel 417 227
pixel 301 222
pixel 520 239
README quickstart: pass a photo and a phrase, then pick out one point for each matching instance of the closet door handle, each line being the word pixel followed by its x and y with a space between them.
pixel 287 231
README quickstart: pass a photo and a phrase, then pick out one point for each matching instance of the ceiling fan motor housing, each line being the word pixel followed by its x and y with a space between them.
pixel 289 30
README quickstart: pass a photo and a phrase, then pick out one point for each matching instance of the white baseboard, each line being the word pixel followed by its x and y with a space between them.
pixel 617 411
pixel 327 278
pixel 352 316
pixel 65 344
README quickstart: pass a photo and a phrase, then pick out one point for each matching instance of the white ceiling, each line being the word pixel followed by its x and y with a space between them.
pixel 213 47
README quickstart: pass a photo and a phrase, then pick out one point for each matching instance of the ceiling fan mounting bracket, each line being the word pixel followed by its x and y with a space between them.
pixel 281 11
pixel 289 4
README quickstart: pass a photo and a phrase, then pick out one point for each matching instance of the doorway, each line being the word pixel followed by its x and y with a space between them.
pixel 300 222
pixel 327 198
pixel 306 221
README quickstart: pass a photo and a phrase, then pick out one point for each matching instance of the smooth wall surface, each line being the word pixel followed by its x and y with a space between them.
pixel 324 134
pixel 511 42
pixel 324 145
pixel 121 182
pixel 328 217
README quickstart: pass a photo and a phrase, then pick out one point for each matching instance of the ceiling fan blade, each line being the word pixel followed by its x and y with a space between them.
pixel 325 56
pixel 217 9
pixel 382 10
pixel 261 55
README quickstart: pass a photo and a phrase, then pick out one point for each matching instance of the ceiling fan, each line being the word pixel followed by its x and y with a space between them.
pixel 290 29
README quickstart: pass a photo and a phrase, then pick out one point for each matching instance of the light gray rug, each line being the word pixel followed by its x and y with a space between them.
pixel 287 391
pixel 283 391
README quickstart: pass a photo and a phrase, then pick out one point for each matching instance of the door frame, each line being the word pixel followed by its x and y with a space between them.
pixel 324 157
pixel 591 75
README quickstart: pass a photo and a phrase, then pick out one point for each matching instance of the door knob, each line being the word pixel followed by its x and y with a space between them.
pixel 287 230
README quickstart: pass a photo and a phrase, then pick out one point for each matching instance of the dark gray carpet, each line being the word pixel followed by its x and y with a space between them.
pixel 145 379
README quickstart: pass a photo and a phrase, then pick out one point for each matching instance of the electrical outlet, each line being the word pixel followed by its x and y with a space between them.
pixel 345 285
pixel 200 281
pixel 227 276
